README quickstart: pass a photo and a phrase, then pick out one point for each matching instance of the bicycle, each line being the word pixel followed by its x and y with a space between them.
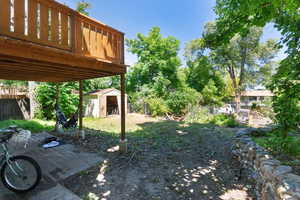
pixel 18 173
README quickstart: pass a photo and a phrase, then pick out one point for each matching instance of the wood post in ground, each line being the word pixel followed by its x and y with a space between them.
pixel 81 131
pixel 123 141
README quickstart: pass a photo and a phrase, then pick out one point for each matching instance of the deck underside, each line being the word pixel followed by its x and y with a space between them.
pixel 21 60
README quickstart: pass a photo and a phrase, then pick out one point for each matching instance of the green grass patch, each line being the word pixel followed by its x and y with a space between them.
pixel 277 144
pixel 32 125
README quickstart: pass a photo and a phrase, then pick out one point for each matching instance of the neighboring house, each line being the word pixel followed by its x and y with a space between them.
pixel 249 97
pixel 101 103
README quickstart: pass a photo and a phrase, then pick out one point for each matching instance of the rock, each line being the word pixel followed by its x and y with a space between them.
pixel 282 169
pixel 267 171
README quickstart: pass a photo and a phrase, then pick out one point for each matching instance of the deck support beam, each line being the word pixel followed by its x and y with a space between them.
pixel 81 131
pixel 123 141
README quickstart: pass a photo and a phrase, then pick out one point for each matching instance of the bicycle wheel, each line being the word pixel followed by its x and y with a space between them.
pixel 21 174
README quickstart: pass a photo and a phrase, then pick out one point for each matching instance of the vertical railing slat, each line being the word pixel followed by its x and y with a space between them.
pixel 86 38
pixel 32 19
pixel 78 30
pixel 19 17
pixel 64 29
pixel 5 16
pixel 44 21
pixel 92 41
pixel 104 44
pixel 54 26
pixel 99 40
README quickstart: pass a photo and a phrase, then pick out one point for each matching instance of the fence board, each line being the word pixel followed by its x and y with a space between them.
pixel 14 109
pixel 54 26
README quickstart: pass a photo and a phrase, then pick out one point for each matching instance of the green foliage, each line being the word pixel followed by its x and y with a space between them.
pixel 103 83
pixel 211 95
pixel 245 60
pixel 277 144
pixel 158 106
pixel 205 79
pixel 32 125
pixel 198 114
pixel 156 78
pixel 179 101
pixel 285 16
pixel 13 83
pixel 156 56
pixel 224 120
pixel 46 97
pixel 82 7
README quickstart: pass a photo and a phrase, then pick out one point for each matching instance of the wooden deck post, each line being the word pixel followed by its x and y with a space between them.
pixel 81 131
pixel 123 141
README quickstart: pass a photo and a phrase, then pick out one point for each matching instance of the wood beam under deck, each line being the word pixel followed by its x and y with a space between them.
pixel 36 62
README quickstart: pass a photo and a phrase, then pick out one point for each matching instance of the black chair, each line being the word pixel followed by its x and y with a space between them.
pixel 61 118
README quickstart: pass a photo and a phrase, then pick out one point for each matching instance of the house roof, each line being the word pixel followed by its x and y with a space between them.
pixel 257 93
pixel 103 91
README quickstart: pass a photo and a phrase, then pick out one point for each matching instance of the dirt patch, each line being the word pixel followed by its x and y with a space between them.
pixel 166 160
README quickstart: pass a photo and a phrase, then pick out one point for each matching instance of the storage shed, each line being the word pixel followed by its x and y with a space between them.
pixel 102 103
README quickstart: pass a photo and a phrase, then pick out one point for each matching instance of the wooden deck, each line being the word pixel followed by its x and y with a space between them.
pixel 43 40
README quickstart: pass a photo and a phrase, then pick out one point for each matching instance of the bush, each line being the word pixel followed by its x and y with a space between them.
pixel 157 106
pixel 46 97
pixel 224 120
pixel 277 144
pixel 198 114
pixel 179 100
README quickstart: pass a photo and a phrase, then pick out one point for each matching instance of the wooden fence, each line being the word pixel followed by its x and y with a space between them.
pixel 12 92
pixel 49 23
pixel 14 109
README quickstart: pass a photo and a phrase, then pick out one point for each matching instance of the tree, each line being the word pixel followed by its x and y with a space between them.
pixel 82 7
pixel 155 79
pixel 156 55
pixel 200 72
pixel 285 16
pixel 242 58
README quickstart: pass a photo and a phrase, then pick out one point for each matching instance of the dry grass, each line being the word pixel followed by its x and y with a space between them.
pixel 112 124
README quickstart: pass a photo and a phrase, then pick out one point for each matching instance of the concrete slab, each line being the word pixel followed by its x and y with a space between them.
pixel 56 193
pixel 57 164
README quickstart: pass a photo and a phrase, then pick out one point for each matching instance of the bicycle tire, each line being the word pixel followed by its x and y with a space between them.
pixel 33 163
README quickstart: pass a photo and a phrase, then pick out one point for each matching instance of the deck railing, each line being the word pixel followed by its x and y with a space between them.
pixel 49 23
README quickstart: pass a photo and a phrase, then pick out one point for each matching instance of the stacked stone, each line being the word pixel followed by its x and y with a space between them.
pixel 273 180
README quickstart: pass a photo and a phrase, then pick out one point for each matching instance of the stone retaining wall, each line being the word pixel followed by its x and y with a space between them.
pixel 274 181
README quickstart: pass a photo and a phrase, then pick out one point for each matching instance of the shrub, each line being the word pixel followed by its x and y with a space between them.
pixel 224 120
pixel 179 100
pixel 157 106
pixel 46 97
pixel 277 144
pixel 198 114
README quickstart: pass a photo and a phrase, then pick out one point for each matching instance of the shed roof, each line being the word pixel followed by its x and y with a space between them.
pixel 103 91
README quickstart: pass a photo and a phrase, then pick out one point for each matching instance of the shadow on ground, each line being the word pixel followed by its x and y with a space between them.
pixel 166 160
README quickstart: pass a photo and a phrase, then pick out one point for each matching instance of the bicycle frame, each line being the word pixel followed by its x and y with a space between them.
pixel 6 158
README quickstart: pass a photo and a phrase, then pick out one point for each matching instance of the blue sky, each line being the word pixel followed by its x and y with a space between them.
pixel 183 19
